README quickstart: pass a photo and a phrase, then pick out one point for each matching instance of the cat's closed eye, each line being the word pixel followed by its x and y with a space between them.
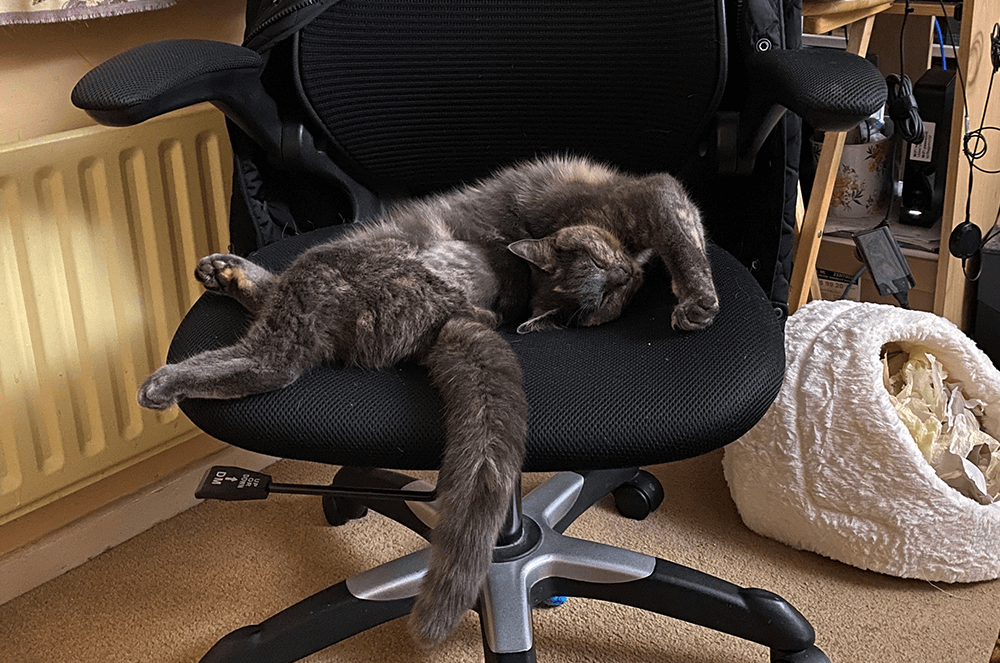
pixel 598 262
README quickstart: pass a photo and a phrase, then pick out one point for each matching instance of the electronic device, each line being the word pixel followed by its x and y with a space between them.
pixel 878 250
pixel 987 328
pixel 925 170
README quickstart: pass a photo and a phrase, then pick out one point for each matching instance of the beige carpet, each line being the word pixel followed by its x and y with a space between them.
pixel 170 593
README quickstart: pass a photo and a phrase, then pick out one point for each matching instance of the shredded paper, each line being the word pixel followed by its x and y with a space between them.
pixel 944 423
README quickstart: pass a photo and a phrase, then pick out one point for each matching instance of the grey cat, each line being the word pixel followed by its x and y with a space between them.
pixel 562 237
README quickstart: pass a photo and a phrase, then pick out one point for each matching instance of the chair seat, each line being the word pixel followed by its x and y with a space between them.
pixel 628 393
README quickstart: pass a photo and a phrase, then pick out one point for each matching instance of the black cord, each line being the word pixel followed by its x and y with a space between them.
pixel 903 109
pixel 854 281
pixel 902 105
pixel 979 150
pixel 907 10
pixel 902 297
pixel 975 259
pixel 974 144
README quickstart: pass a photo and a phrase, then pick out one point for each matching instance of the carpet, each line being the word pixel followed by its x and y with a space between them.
pixel 168 594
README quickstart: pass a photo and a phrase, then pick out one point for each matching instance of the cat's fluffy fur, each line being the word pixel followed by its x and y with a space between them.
pixel 430 282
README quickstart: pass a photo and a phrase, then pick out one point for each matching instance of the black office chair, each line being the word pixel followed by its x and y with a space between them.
pixel 338 107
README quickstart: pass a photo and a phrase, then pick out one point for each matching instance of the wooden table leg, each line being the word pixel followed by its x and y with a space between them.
pixel 804 262
pixel 800 215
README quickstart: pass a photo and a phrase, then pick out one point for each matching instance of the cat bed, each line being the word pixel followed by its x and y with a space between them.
pixel 832 468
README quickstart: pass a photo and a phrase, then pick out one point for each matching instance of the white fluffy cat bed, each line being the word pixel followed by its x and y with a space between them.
pixel 832 468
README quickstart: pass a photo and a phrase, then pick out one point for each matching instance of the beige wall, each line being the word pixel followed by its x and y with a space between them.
pixel 40 64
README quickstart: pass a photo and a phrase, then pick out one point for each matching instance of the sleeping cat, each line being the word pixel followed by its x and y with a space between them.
pixel 430 282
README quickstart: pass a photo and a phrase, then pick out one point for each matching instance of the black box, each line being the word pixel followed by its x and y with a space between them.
pixel 926 166
pixel 987 329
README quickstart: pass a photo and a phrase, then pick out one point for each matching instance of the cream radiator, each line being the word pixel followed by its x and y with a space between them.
pixel 100 230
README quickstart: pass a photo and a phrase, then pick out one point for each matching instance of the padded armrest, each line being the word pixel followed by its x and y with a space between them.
pixel 160 77
pixel 830 89
pixel 156 78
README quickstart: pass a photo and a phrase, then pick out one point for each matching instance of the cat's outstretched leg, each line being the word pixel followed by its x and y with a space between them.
pixel 228 274
pixel 231 372
pixel 684 253
pixel 486 413
pixel 262 361
pixel 697 301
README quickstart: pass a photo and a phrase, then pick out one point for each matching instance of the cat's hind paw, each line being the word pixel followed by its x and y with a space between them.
pixel 159 392
pixel 225 273
pixel 694 314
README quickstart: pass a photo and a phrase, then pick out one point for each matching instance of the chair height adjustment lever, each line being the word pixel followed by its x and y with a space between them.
pixel 224 482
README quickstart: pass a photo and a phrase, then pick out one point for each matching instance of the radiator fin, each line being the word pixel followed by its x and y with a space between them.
pixel 100 230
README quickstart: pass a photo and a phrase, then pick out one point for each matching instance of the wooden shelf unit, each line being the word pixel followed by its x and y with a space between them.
pixel 952 293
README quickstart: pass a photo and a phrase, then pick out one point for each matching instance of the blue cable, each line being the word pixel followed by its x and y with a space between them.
pixel 944 60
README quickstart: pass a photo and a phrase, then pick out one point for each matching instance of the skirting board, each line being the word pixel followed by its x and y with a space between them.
pixel 35 564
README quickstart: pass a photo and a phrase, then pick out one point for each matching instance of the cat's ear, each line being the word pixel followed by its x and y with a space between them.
pixel 542 322
pixel 539 252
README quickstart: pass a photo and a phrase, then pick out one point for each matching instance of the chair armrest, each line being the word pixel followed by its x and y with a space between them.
pixel 156 78
pixel 832 90
pixel 152 79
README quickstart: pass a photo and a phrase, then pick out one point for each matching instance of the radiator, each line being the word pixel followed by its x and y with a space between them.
pixel 100 231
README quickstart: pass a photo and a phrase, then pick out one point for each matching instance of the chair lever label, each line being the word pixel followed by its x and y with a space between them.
pixel 233 483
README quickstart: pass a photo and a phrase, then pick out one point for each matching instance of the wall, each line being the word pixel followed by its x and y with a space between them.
pixel 40 64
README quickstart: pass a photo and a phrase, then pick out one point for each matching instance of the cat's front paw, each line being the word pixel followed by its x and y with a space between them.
pixel 160 391
pixel 695 314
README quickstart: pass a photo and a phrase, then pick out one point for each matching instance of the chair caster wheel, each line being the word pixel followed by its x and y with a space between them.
pixel 810 655
pixel 339 510
pixel 639 497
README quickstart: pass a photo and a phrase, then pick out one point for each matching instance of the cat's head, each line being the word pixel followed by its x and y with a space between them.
pixel 581 276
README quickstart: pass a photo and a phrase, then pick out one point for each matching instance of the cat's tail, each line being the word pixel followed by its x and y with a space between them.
pixel 485 419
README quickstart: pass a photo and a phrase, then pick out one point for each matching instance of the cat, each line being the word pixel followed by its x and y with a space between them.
pixel 560 241
pixel 581 276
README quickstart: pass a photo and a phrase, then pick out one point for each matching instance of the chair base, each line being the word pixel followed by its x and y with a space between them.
pixel 541 563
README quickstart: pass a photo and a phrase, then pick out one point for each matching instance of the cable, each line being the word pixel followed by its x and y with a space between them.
pixel 903 109
pixel 854 281
pixel 977 135
pixel 944 60
pixel 903 298
pixel 966 240
pixel 902 105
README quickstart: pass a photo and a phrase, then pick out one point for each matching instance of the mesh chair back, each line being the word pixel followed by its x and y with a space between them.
pixel 421 95
pixel 409 97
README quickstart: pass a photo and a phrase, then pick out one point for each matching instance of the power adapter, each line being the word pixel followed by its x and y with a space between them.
pixel 886 264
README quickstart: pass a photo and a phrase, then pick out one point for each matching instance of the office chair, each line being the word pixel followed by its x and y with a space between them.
pixel 338 108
